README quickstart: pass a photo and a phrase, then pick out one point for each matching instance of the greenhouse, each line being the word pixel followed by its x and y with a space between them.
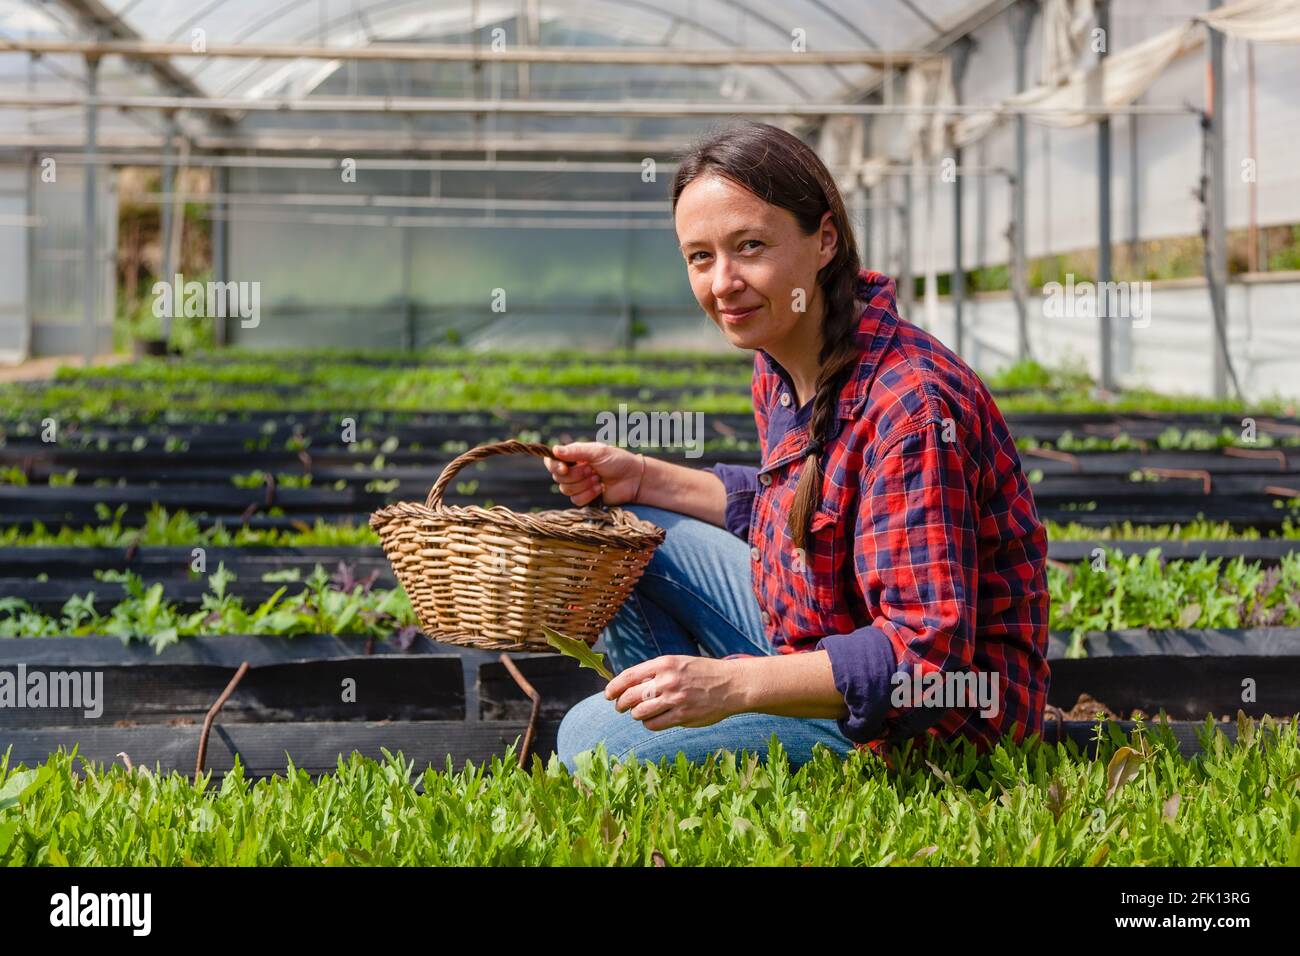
pixel 885 412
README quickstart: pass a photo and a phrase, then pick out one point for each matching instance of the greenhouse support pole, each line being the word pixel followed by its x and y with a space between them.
pixel 1022 16
pixel 88 297
pixel 1218 283
pixel 905 271
pixel 863 197
pixel 1134 197
pixel 220 264
pixel 168 214
pixel 408 302
pixel 1103 212
pixel 886 186
pixel 957 286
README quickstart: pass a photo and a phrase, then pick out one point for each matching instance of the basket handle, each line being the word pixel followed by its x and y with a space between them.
pixel 510 447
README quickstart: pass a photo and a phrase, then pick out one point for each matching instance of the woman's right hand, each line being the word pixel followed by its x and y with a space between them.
pixel 586 469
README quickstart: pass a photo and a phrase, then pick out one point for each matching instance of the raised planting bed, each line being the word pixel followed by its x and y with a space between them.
pixel 290 678
pixel 46 578
pixel 1280 464
pixel 1242 500
pixel 1188 674
pixel 1267 515
pixel 1266 551
pixel 174 562
pixel 1108 595
pixel 435 426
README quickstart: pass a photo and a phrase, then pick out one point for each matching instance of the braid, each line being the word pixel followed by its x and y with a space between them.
pixel 839 356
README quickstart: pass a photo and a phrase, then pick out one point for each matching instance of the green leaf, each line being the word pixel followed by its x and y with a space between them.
pixel 14 786
pixel 578 650
pixel 7 831
pixel 1123 767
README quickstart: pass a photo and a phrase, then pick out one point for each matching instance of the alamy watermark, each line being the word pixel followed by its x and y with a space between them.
pixel 1088 300
pixel 75 908
pixel 652 430
pixel 946 689
pixel 60 690
pixel 211 300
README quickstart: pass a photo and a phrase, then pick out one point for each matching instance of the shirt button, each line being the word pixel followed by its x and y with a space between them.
pixel 753 553
pixel 765 479
pixel 785 399
pixel 767 619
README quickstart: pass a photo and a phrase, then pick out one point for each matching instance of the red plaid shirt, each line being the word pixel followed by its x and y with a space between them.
pixel 926 555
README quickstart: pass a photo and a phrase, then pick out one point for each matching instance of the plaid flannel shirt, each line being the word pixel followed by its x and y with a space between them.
pixel 926 553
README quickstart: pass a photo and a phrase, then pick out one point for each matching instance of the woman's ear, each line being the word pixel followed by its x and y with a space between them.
pixel 830 238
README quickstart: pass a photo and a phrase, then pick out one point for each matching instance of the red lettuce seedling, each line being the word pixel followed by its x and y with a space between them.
pixel 578 650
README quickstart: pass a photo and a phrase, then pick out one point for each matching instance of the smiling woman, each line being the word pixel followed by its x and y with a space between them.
pixel 888 540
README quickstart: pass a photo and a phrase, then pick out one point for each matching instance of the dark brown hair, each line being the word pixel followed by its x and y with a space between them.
pixel 781 169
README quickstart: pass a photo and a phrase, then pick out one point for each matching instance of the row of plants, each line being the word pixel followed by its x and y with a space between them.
pixel 338 604
pixel 1170 439
pixel 364 379
pixel 162 527
pixel 125 403
pixel 618 367
pixel 1109 593
pixel 180 528
pixel 445 355
pixel 1198 530
pixel 487 382
pixel 1114 592
pixel 1138 804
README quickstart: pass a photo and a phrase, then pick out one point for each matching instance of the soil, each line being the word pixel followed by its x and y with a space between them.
pixel 1087 706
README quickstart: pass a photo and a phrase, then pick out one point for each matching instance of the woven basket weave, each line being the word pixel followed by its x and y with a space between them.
pixel 490 577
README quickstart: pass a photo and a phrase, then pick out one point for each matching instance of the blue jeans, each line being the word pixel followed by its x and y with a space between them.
pixel 696 597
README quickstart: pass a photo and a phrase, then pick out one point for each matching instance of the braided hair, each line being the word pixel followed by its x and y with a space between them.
pixel 781 169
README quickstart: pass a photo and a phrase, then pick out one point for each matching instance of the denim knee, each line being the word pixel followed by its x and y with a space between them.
pixel 581 728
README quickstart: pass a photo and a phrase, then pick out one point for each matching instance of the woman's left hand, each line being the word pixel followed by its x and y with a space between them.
pixel 678 690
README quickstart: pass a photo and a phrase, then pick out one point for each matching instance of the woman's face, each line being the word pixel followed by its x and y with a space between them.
pixel 752 270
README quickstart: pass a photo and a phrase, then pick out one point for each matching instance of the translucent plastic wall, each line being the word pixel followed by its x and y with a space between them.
pixel 42 224
pixel 1160 156
pixel 13 263
pixel 398 276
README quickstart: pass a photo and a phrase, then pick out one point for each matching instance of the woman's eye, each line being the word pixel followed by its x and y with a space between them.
pixel 694 254
pixel 756 242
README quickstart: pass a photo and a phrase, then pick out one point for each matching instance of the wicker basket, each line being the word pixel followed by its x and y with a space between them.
pixel 489 577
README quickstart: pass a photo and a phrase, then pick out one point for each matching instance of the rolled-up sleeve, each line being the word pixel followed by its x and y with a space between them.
pixel 741 483
pixel 862 663
pixel 915 559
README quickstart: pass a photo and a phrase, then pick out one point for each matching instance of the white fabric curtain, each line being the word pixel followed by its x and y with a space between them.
pixel 1123 78
pixel 1264 21
pixel 1126 75
pixel 929 85
pixel 1065 36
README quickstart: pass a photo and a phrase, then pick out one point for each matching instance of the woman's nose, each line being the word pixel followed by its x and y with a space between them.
pixel 726 280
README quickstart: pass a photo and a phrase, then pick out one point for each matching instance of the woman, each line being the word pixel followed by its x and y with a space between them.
pixel 881 576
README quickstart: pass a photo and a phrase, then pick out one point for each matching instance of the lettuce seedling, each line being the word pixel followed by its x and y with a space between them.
pixel 578 650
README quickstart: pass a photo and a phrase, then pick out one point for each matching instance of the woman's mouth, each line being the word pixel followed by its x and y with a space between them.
pixel 734 316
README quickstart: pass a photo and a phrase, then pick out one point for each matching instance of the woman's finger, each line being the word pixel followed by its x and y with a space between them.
pixel 576 487
pixel 586 498
pixel 570 471
pixel 654 707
